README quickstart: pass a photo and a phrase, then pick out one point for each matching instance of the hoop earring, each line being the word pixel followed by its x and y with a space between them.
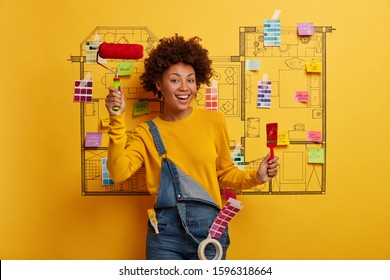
pixel 160 96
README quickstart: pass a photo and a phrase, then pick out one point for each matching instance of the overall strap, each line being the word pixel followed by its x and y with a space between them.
pixel 163 153
pixel 157 138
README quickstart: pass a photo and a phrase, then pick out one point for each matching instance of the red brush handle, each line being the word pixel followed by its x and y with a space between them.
pixel 271 155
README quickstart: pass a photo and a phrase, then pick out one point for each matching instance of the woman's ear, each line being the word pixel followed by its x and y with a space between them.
pixel 158 85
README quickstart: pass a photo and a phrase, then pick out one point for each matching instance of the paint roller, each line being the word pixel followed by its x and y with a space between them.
pixel 118 51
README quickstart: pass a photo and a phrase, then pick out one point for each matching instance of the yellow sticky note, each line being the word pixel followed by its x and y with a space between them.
pixel 140 108
pixel 314 65
pixel 105 121
pixel 283 138
pixel 316 155
pixel 125 68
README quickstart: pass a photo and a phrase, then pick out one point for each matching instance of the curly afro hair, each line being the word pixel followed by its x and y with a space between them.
pixel 174 50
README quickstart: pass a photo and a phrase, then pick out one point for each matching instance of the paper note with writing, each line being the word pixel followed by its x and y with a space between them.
pixel 125 68
pixel 301 96
pixel 314 65
pixel 314 136
pixel 305 28
pixel 253 64
pixel 93 139
pixel 105 121
pixel 283 138
pixel 316 155
pixel 140 108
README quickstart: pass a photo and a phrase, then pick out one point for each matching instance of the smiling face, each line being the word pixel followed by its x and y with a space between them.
pixel 178 86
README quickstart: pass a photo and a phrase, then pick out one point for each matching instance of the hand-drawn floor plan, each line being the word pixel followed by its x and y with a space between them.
pixel 302 156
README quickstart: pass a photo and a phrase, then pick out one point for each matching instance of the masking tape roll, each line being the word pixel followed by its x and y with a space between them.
pixel 202 247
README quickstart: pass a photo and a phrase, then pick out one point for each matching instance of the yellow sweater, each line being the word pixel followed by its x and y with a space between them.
pixel 198 145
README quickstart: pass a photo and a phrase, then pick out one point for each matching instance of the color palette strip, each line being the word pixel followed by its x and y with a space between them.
pixel 271 32
pixel 106 179
pixel 91 49
pixel 229 210
pixel 211 98
pixel 264 94
pixel 239 160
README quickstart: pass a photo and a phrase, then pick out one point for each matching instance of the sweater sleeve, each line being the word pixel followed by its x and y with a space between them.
pixel 125 154
pixel 229 175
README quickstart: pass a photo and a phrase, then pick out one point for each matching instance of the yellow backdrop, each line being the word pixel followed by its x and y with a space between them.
pixel 42 212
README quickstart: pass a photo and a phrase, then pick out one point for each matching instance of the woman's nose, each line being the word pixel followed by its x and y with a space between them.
pixel 183 86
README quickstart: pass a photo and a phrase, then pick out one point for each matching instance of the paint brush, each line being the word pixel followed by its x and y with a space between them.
pixel 272 137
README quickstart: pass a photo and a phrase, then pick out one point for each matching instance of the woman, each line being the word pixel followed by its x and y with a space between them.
pixel 185 152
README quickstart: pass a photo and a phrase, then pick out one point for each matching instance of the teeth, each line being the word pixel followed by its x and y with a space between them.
pixel 183 97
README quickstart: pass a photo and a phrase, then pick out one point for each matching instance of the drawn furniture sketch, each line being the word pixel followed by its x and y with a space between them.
pixel 285 66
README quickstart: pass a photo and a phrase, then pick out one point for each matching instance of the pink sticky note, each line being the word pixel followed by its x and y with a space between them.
pixel 302 96
pixel 305 29
pixel 314 136
pixel 93 139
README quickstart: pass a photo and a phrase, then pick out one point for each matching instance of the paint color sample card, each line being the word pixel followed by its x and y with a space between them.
pixel 264 94
pixel 271 32
pixel 91 49
pixel 229 210
pixel 211 94
pixel 106 179
pixel 238 160
pixel 82 91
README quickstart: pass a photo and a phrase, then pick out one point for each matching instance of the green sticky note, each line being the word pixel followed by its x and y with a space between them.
pixel 140 108
pixel 316 155
pixel 125 68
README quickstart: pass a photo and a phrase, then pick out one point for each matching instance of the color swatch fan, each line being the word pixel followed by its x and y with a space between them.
pixel 229 210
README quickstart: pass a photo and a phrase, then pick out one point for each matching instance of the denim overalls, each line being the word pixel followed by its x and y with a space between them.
pixel 184 211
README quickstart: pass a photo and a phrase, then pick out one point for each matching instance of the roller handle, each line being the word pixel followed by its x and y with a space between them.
pixel 117 83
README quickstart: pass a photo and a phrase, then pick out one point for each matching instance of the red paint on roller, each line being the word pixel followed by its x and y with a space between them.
pixel 272 137
pixel 120 51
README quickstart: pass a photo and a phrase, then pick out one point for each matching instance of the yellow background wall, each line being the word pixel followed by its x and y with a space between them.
pixel 42 212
